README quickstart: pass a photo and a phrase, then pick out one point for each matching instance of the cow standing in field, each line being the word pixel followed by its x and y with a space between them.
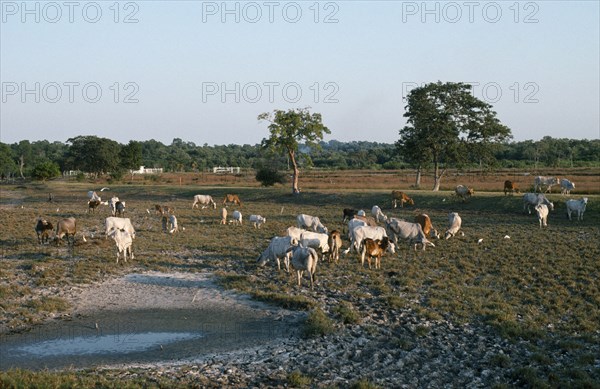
pixel 542 214
pixel 454 224
pixel 402 197
pixel 223 216
pixel 576 206
pixel 279 248
pixel 117 223
pixel 463 192
pixel 566 186
pixel 335 245
pixel 540 182
pixel 92 205
pixel 311 223
pixel 124 242
pixel 427 226
pixel 374 249
pixel 304 259
pixel 120 208
pixel 232 198
pixel 66 227
pixel 42 229
pixel 204 201
pixel 533 199
pixel 413 232
pixel 257 220
pixel 510 187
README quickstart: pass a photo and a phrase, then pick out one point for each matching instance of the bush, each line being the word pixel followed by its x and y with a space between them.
pixel 45 170
pixel 317 324
pixel 268 176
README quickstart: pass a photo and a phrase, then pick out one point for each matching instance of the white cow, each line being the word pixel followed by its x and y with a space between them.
pixel 316 240
pixel 237 217
pixel 124 241
pixel 360 233
pixel 311 223
pixel 533 199
pixel 305 259
pixel 173 224
pixel 542 213
pixel 295 232
pixel 352 224
pixel 257 220
pixel 407 230
pixel 576 206
pixel 566 186
pixel 377 214
pixel 118 223
pixel 204 201
pixel 278 249
pixel 540 181
pixel 463 191
pixel 112 203
pixel 454 224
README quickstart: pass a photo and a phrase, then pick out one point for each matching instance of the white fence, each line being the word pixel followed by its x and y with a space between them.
pixel 145 170
pixel 222 169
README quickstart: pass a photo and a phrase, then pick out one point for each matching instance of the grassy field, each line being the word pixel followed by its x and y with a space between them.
pixel 540 285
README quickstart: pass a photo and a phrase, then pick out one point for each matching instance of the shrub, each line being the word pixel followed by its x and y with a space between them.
pixel 45 170
pixel 269 176
pixel 317 324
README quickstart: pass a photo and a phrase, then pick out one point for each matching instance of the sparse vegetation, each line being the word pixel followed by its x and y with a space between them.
pixel 317 324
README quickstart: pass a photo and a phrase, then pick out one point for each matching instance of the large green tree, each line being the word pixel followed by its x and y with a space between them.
pixel 447 125
pixel 7 161
pixel 94 155
pixel 288 129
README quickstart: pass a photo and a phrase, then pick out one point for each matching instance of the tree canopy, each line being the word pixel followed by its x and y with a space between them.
pixel 445 125
pixel 288 129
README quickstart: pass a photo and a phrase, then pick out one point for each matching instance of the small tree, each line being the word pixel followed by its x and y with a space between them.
pixel 269 176
pixel 288 129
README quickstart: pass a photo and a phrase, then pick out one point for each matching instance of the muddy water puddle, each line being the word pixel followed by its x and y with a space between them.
pixel 167 333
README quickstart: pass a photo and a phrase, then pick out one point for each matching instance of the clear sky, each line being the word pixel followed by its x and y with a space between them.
pixel 203 71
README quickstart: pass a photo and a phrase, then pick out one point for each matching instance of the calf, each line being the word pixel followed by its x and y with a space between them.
pixel 257 220
pixel 454 224
pixel 402 197
pixel 223 216
pixel 42 229
pixel 510 187
pixel 304 259
pixel 576 206
pixel 232 198
pixel 93 204
pixel 542 213
pixel 463 192
pixel 237 217
pixel 374 248
pixel 66 227
pixel 124 242
pixel 335 244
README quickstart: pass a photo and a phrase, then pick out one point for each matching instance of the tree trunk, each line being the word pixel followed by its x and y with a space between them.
pixel 437 177
pixel 418 178
pixel 21 165
pixel 295 189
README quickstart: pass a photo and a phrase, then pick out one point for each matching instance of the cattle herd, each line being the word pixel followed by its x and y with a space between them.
pixel 301 245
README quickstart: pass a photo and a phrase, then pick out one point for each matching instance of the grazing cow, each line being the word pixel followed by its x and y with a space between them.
pixel 118 223
pixel 348 214
pixel 304 259
pixel 454 224
pixel 112 203
pixel 413 232
pixel 311 223
pixel 426 225
pixel 542 213
pixel 124 242
pixel 92 205
pixel 120 208
pixel 279 248
pixel 360 233
pixel 223 216
pixel 236 217
pixel 510 187
pixel 335 244
pixel 316 240
pixel 374 248
pixel 540 181
pixel 173 227
pixel 257 220
pixel 402 197
pixel 533 199
pixel 377 214
pixel 463 192
pixel 42 229
pixel 232 198
pixel 66 227
pixel 566 186
pixel 576 206
pixel 204 201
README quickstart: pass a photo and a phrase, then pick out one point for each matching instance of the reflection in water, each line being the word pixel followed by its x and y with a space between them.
pixel 117 343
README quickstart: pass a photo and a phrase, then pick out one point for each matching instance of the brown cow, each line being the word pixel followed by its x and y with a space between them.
pixel 426 225
pixel 232 198
pixel 43 229
pixel 335 244
pixel 511 187
pixel 93 204
pixel 399 195
pixel 374 248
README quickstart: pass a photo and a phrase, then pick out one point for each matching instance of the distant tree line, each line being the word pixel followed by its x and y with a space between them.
pixel 100 156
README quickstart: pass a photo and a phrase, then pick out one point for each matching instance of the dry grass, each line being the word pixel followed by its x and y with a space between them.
pixel 539 285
